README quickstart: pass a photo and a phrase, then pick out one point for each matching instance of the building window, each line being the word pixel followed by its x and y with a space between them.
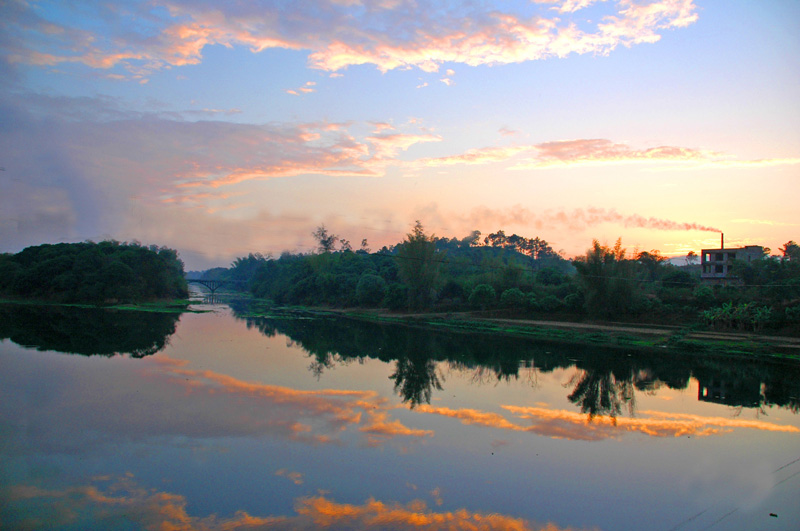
pixel 718 268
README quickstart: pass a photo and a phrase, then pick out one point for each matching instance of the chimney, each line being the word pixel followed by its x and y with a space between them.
pixel 721 240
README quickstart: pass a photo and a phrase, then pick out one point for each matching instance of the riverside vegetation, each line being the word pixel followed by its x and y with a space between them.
pixel 514 276
pixel 108 272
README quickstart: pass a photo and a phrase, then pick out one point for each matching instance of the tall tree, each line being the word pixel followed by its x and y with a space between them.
pixel 418 265
pixel 607 280
pixel 325 242
pixel 791 251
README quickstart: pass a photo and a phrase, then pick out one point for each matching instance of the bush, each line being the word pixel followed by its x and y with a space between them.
pixel 550 303
pixel 704 296
pixel 371 290
pixel 397 297
pixel 532 302
pixel 483 296
pixel 512 298
pixel 549 276
pixel 573 302
pixel 452 290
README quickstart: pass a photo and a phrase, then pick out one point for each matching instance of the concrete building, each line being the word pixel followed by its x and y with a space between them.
pixel 717 263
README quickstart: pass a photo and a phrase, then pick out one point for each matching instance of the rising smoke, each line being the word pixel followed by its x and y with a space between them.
pixel 577 219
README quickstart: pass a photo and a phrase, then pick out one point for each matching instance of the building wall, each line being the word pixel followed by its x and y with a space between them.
pixel 717 263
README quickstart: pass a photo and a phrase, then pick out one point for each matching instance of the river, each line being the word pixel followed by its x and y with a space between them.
pixel 140 420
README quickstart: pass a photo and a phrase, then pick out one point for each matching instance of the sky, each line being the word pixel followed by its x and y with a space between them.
pixel 226 128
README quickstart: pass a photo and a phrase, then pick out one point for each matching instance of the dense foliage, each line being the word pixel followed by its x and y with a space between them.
pixel 419 273
pixel 518 276
pixel 105 272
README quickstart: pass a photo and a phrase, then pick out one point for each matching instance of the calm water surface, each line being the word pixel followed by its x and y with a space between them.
pixel 129 420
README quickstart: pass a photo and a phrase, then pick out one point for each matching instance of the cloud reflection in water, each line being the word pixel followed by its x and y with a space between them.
pixel 123 501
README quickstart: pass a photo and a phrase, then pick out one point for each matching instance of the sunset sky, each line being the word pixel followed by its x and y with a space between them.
pixel 223 128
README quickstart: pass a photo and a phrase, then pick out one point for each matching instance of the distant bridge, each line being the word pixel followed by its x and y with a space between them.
pixel 214 285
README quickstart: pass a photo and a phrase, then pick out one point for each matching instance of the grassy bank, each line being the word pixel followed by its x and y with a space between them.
pixel 165 306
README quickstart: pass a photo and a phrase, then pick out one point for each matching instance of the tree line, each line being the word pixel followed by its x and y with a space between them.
pixel 105 272
pixel 522 276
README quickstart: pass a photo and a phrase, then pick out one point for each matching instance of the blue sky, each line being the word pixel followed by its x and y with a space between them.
pixel 221 129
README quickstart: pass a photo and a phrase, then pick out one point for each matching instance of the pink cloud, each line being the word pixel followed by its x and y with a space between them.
pixel 337 35
pixel 596 151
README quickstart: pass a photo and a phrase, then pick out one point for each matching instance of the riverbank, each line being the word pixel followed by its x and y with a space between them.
pixel 165 306
pixel 619 335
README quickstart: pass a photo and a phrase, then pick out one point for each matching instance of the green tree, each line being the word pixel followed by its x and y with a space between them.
pixel 791 251
pixel 325 242
pixel 607 280
pixel 418 265
pixel 652 263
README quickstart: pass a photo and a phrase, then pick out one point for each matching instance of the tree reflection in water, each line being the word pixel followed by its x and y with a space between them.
pixel 415 378
pixel 599 392
pixel 604 384
pixel 87 331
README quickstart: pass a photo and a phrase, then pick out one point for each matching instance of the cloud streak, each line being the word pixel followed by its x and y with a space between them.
pixel 563 424
pixel 336 35
pixel 597 152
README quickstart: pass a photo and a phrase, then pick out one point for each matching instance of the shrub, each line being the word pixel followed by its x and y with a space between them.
pixel 483 296
pixel 550 303
pixel 704 296
pixel 512 298
pixel 397 297
pixel 371 290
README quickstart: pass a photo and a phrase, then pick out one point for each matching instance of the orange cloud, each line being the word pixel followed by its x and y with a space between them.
pixel 296 477
pixel 124 500
pixel 379 428
pixel 562 424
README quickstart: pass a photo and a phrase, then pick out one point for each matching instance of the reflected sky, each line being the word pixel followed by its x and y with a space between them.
pixel 124 500
pixel 139 440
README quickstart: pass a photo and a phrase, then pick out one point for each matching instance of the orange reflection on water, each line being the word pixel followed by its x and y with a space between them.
pixel 335 409
pixel 124 500
pixel 563 424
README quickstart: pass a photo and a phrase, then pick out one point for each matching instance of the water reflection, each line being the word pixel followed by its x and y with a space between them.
pixel 563 424
pixel 604 383
pixel 87 331
pixel 601 393
pixel 126 503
